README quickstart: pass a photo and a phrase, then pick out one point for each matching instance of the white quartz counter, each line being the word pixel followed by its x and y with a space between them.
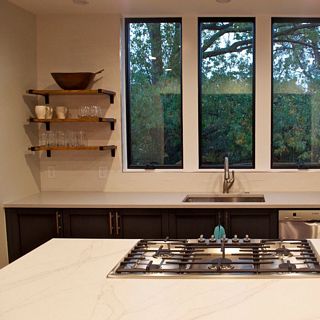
pixel 66 280
pixel 157 200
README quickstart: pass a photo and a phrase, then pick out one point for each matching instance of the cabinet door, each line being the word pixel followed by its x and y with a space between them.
pixel 257 223
pixel 29 228
pixel 141 223
pixel 88 223
pixel 191 223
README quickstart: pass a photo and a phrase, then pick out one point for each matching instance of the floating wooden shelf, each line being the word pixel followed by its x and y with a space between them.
pixel 47 93
pixel 91 119
pixel 48 149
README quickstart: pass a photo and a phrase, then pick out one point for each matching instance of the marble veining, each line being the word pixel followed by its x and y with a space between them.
pixel 66 279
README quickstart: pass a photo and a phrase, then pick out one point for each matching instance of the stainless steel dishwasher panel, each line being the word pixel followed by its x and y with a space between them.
pixel 299 224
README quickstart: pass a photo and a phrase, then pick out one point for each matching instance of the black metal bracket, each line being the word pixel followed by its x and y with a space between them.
pixel 111 148
pixel 111 121
pixel 48 126
pixel 110 94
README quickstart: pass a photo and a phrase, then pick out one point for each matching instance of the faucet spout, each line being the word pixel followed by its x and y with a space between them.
pixel 228 179
pixel 226 168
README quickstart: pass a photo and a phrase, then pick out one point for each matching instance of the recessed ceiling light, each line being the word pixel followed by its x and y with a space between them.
pixel 223 1
pixel 81 2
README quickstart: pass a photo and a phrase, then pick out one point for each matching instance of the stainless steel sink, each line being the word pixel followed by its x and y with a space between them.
pixel 239 197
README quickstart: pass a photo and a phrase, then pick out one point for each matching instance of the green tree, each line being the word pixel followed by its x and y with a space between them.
pixel 155 93
pixel 227 81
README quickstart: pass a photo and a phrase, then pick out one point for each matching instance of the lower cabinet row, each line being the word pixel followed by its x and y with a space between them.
pixel 29 228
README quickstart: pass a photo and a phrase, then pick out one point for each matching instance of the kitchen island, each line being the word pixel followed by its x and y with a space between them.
pixel 66 279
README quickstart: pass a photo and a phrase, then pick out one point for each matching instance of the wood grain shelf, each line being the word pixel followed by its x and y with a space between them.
pixel 47 93
pixel 47 122
pixel 48 149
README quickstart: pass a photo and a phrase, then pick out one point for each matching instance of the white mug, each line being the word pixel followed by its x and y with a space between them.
pixel 41 111
pixel 61 112
pixel 49 112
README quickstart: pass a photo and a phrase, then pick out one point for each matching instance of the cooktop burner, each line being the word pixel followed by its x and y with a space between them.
pixel 204 257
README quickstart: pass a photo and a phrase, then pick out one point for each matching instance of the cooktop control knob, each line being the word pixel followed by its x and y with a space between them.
pixel 212 238
pixel 246 239
pixel 201 239
pixel 235 238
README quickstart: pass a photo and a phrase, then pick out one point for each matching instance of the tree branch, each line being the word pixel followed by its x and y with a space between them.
pixel 235 47
pixel 214 26
pixel 295 28
pixel 297 42
pixel 208 43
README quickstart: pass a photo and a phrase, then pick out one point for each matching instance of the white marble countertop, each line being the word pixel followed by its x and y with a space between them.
pixel 66 279
pixel 91 199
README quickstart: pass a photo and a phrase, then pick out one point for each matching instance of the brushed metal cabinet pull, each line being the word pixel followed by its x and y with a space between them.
pixel 117 223
pixel 58 226
pixel 110 223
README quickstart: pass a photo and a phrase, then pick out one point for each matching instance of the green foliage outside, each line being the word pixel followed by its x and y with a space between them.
pixel 295 142
pixel 227 129
pixel 155 94
pixel 296 94
pixel 227 104
pixel 156 135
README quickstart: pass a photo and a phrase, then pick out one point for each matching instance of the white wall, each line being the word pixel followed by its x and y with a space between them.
pixel 19 171
pixel 91 42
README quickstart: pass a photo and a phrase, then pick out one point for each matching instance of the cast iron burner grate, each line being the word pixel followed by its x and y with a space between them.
pixel 181 257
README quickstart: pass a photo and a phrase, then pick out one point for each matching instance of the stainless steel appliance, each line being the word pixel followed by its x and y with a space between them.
pixel 209 257
pixel 299 224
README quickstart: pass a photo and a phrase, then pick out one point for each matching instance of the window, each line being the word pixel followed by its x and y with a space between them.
pixel 153 93
pixel 296 93
pixel 226 92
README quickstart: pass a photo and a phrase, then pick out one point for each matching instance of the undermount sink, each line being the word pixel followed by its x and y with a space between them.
pixel 224 198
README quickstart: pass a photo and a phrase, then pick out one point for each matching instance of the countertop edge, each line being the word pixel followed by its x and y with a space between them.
pixel 158 200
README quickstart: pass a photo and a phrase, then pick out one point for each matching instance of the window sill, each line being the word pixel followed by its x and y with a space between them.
pixel 219 170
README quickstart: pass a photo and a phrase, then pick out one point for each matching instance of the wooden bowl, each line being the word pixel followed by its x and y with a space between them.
pixel 74 80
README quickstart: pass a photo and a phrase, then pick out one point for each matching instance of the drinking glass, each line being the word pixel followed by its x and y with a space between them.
pixel 60 136
pixel 69 140
pixel 84 111
pixel 43 139
pixel 51 139
pixel 95 111
pixel 82 139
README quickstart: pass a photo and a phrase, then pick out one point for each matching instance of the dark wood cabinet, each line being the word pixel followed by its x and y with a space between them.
pixel 191 223
pixel 29 228
pixel 257 223
pixel 88 223
pixel 113 223
pixel 141 223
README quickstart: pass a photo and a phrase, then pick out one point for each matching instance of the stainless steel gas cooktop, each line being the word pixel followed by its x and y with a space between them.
pixel 209 257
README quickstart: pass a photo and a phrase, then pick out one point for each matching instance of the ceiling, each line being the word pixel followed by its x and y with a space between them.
pixel 175 7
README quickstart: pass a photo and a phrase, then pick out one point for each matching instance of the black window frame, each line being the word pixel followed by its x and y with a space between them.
pixel 227 19
pixel 293 20
pixel 127 94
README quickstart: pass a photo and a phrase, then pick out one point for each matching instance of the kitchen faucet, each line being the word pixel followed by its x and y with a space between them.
pixel 228 179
